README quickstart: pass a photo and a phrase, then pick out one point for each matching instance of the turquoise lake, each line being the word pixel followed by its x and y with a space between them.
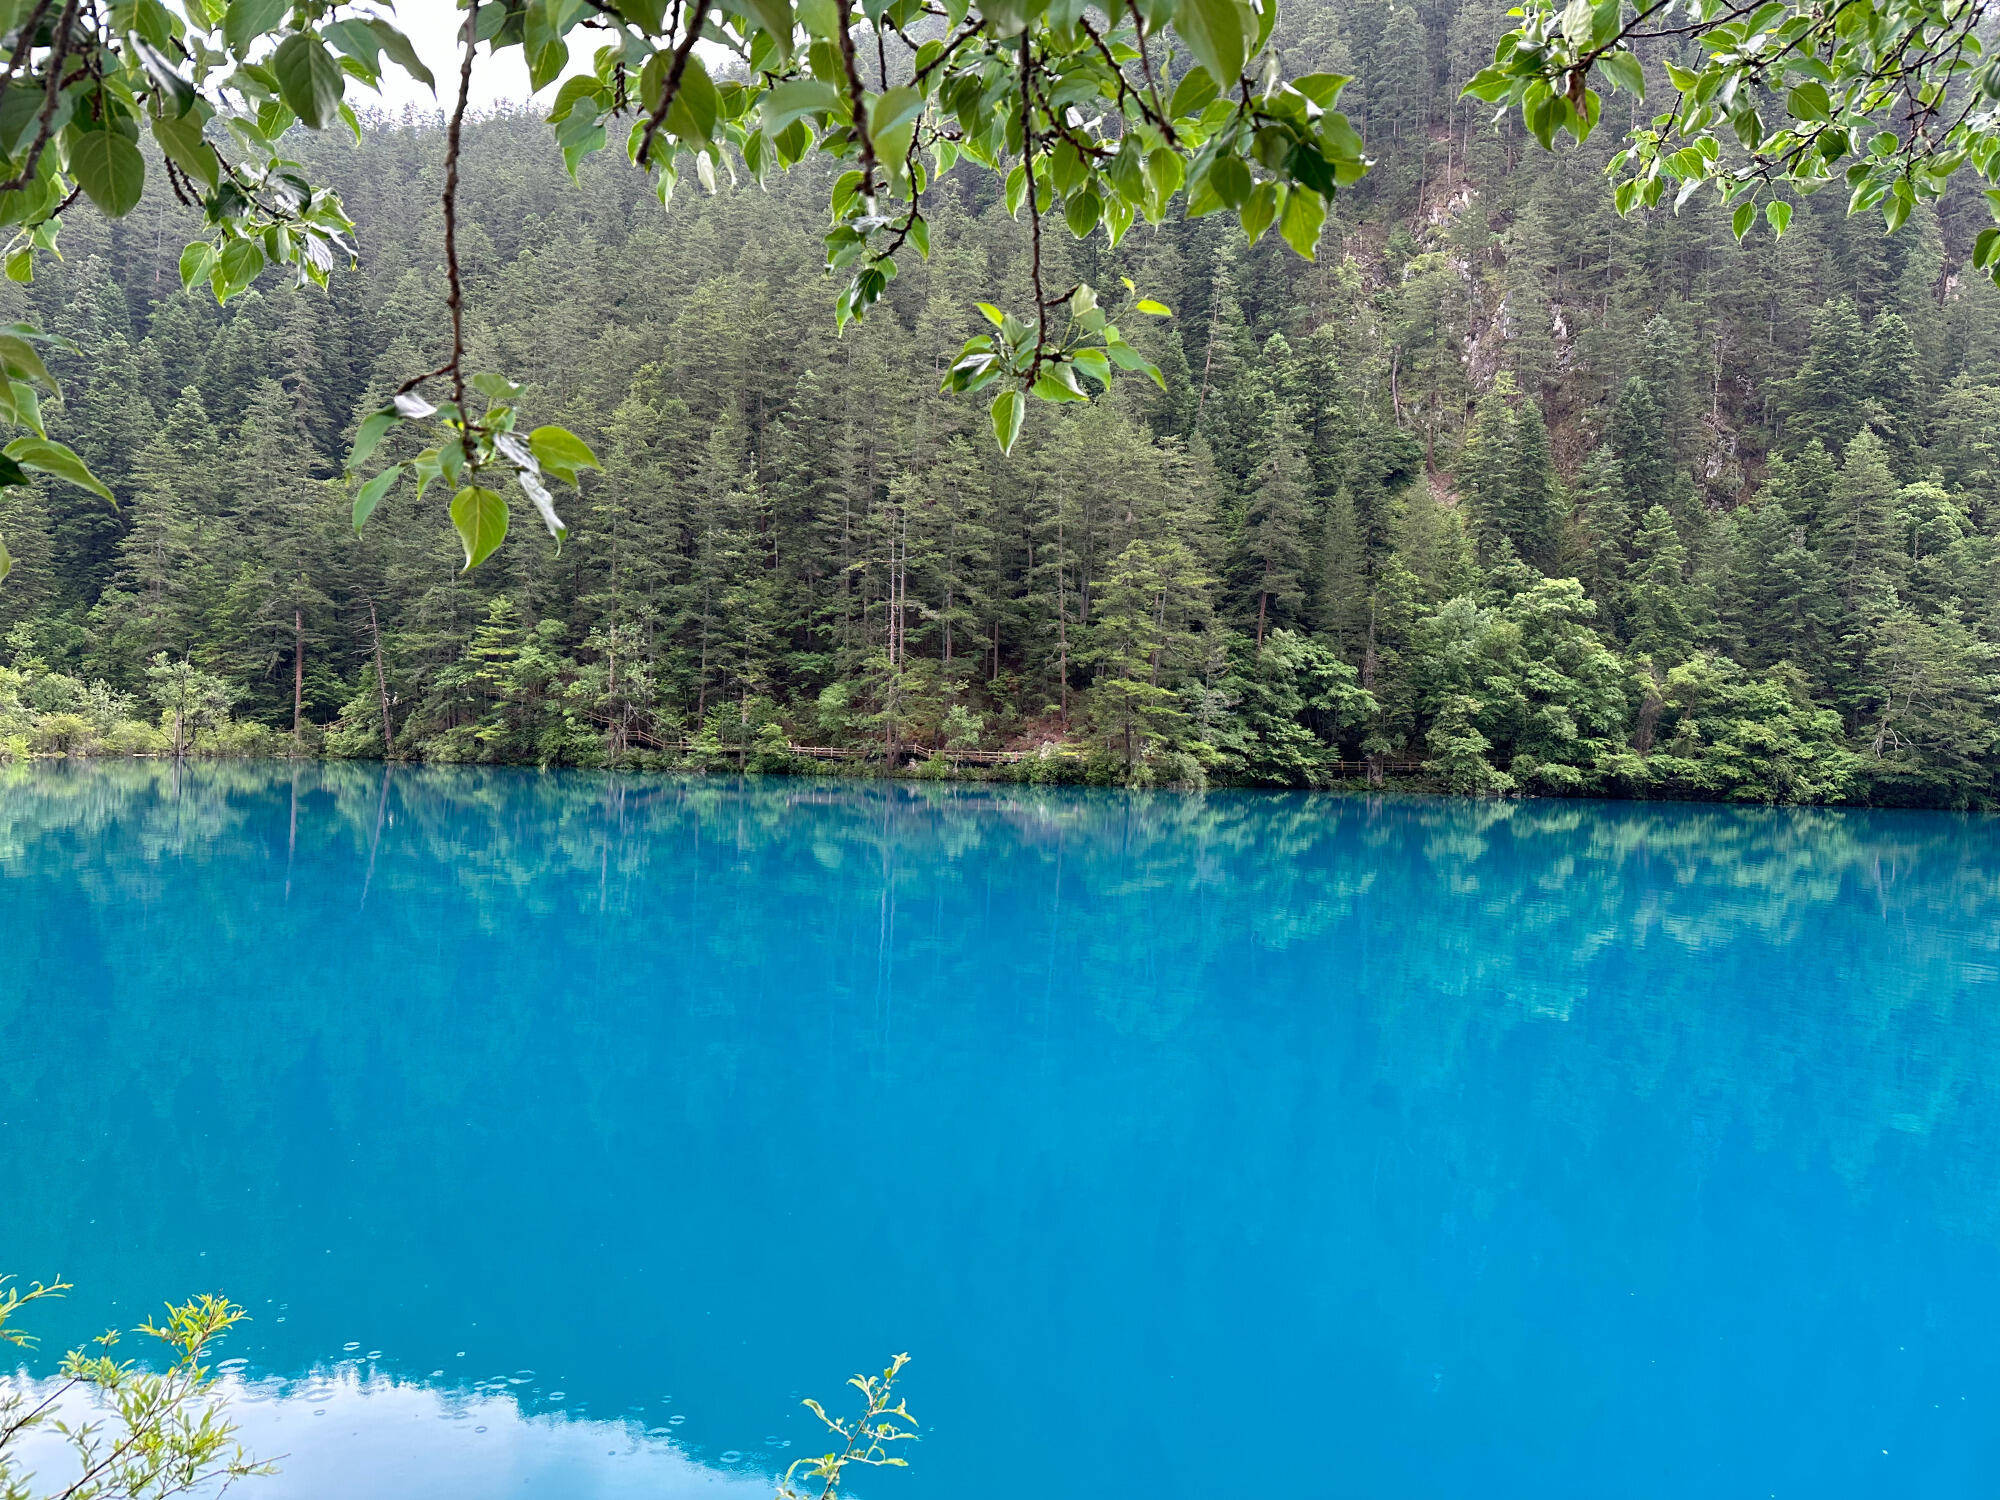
pixel 561 1132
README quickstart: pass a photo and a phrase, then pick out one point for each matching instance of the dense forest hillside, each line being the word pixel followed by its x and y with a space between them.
pixel 1503 486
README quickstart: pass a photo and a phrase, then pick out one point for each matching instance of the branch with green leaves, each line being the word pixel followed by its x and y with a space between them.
pixel 147 1435
pixel 866 1441
pixel 1888 98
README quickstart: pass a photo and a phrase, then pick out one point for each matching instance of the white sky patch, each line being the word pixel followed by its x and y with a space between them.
pixel 435 26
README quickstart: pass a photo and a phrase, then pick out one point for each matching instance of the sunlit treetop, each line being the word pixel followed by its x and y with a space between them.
pixel 1094 116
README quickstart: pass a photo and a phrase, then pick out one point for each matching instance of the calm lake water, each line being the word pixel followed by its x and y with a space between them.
pixel 562 1131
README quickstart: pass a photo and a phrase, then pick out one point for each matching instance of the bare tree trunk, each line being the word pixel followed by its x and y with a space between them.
pixel 381 680
pixel 298 674
pixel 1208 359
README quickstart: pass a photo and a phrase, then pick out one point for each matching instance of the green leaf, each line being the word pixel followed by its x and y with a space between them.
pixel 235 268
pixel 1059 383
pixel 196 263
pixel 561 452
pixel 1304 216
pixel 696 104
pixel 177 94
pixel 1809 102
pixel 27 406
pixel 1260 211
pixel 1192 94
pixel 372 494
pixel 109 168
pixel 1218 33
pixel 309 79
pixel 402 53
pixel 480 517
pixel 249 19
pixel 1778 215
pixel 1007 410
pixel 1081 212
pixel 6 562
pixel 370 433
pixel 1322 88
pixel 774 18
pixel 1155 309
pixel 542 44
pixel 1165 172
pixel 893 110
pixel 794 101
pixel 355 38
pixel 181 138
pixel 21 361
pixel 1230 180
pixel 45 457
pixel 1742 219
pixel 1625 72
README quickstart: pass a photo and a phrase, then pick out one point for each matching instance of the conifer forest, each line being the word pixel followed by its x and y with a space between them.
pixel 1502 492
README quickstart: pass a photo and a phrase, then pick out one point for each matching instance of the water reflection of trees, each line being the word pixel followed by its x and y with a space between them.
pixel 1359 1014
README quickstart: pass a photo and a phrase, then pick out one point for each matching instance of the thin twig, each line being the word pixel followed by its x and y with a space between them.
pixel 25 45
pixel 51 93
pixel 857 100
pixel 455 295
pixel 1034 209
pixel 672 88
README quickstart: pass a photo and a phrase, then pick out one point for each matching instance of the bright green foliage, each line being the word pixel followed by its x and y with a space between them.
pixel 1888 100
pixel 1293 701
pixel 1528 685
pixel 189 699
pixel 1729 735
pixel 1933 688
pixel 865 1441
pixel 150 1436
pixel 1459 752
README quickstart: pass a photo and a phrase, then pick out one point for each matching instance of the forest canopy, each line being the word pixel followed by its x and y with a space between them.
pixel 1108 113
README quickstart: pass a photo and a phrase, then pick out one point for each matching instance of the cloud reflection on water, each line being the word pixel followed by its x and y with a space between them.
pixel 348 1430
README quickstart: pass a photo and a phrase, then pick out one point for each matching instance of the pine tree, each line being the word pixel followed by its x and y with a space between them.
pixel 1895 401
pixel 1604 527
pixel 1142 643
pixel 1646 469
pixel 1660 609
pixel 1274 540
pixel 1339 594
pixel 1860 525
pixel 1537 492
pixel 1826 399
